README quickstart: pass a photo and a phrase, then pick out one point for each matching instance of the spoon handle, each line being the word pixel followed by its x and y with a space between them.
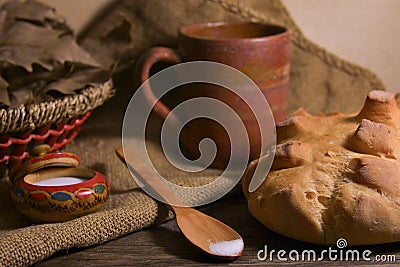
pixel 149 177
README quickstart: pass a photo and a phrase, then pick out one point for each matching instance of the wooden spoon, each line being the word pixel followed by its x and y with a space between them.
pixel 206 233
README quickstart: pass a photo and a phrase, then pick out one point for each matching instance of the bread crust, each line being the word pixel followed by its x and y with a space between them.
pixel 334 176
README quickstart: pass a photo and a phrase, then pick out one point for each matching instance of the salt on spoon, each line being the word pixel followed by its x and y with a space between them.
pixel 226 248
pixel 197 227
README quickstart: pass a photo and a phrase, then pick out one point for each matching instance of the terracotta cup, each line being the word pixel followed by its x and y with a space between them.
pixel 261 51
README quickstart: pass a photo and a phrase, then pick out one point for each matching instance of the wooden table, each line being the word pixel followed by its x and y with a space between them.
pixel 164 245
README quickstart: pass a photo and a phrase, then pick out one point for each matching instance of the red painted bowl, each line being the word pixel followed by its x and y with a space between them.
pixel 47 189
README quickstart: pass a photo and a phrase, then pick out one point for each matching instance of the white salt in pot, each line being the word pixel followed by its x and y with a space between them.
pixel 51 187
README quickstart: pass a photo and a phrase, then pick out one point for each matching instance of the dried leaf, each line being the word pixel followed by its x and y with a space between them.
pixel 39 56
pixel 24 44
pixel 22 95
pixel 36 13
pixel 19 77
pixel 78 80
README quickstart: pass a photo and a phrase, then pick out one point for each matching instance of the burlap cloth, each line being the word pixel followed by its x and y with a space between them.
pixel 320 81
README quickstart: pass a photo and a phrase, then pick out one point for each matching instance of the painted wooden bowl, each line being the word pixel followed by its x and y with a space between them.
pixel 53 188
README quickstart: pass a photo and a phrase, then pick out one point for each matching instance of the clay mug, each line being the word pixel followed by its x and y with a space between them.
pixel 261 51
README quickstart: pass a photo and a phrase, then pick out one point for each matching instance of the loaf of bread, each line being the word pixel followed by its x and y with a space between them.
pixel 334 176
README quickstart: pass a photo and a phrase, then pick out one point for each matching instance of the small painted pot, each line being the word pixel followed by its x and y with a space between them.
pixel 53 188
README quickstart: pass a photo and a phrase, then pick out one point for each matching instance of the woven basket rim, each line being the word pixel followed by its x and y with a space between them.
pixel 30 117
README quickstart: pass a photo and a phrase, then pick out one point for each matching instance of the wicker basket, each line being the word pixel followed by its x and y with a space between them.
pixel 55 123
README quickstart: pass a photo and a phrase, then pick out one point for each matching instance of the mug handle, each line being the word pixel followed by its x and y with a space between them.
pixel 142 71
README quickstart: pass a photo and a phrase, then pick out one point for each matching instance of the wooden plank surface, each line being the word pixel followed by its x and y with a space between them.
pixel 164 245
